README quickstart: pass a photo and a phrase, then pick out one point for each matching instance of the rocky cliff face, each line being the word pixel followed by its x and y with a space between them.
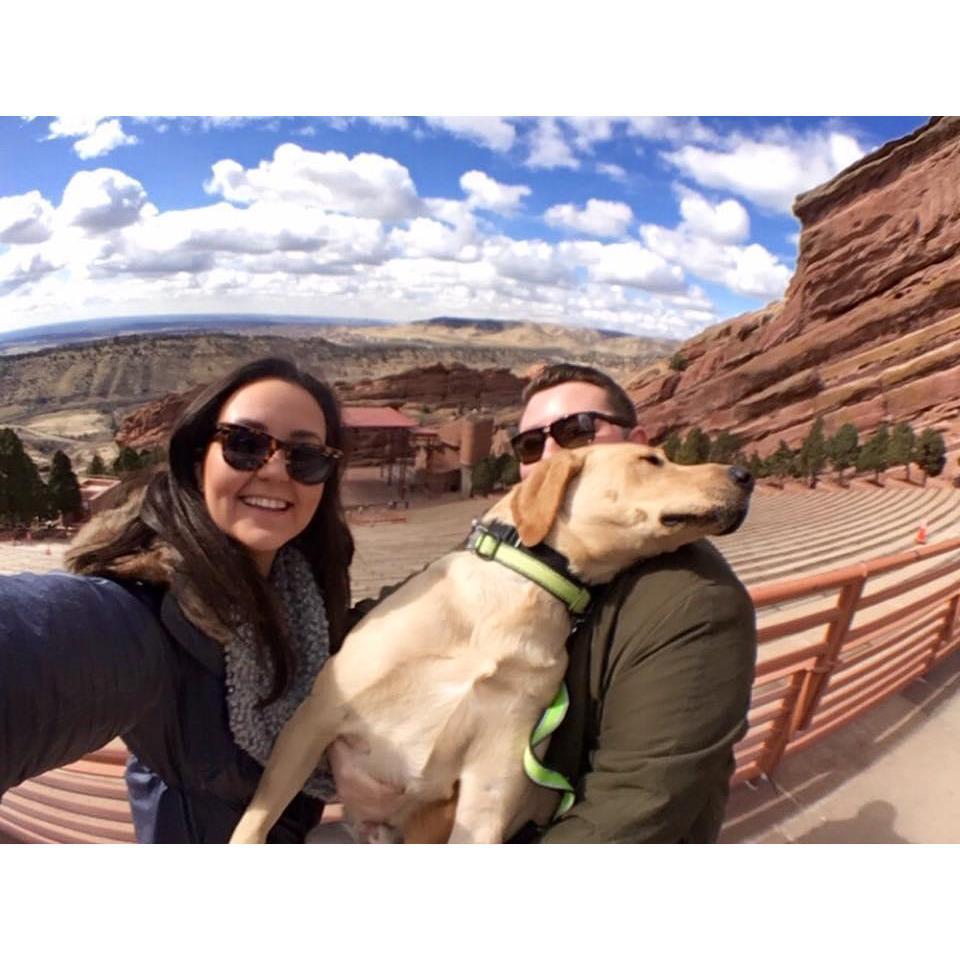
pixel 868 329
pixel 448 385
pixel 454 387
pixel 149 426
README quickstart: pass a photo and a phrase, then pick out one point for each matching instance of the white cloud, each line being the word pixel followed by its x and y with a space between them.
pixel 24 265
pixel 105 137
pixel 492 132
pixel 458 213
pixel 102 199
pixel 97 136
pixel 483 192
pixel 749 271
pixel 528 261
pixel 673 129
pixel 267 236
pixel 772 171
pixel 612 170
pixel 725 222
pixel 389 123
pixel 599 218
pixel 429 238
pixel 629 263
pixel 27 218
pixel 74 126
pixel 548 148
pixel 758 273
pixel 590 130
pixel 366 185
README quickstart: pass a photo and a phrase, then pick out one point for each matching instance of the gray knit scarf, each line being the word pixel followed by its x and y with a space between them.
pixel 248 677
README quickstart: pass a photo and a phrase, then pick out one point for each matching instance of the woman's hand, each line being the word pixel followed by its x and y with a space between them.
pixel 368 801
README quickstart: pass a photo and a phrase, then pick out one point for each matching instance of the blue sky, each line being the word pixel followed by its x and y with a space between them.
pixel 652 225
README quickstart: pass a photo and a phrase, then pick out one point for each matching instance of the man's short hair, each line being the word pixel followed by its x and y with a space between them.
pixel 556 373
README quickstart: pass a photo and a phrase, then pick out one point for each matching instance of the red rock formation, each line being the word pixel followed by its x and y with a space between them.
pixel 868 329
pixel 149 426
pixel 458 387
pixel 455 385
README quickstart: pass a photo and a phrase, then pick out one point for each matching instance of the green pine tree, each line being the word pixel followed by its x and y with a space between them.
pixel 127 461
pixel 901 449
pixel 63 488
pixel 484 476
pixel 874 453
pixel 23 495
pixel 782 463
pixel 97 467
pixel 671 446
pixel 813 453
pixel 695 447
pixel 930 454
pixel 508 470
pixel 843 448
pixel 724 448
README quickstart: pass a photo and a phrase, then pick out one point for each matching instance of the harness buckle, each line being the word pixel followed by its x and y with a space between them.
pixel 476 541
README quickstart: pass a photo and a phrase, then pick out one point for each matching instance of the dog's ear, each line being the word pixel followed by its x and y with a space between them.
pixel 537 501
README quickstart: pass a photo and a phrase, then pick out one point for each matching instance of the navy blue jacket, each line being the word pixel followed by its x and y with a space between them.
pixel 84 660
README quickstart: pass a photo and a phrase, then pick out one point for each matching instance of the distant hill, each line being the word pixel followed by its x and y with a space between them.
pixel 607 348
pixel 495 326
pixel 78 331
pixel 73 395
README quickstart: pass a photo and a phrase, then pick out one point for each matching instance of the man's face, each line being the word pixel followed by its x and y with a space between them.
pixel 554 403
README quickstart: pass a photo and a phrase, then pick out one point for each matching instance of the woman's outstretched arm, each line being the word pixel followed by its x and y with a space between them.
pixel 81 660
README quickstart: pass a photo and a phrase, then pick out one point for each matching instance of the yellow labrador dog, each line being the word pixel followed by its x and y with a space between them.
pixel 446 678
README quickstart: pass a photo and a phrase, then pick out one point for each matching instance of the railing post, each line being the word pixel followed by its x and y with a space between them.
pixel 817 677
pixel 946 631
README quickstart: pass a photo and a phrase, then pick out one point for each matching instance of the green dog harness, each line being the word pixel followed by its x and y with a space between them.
pixel 534 769
pixel 491 543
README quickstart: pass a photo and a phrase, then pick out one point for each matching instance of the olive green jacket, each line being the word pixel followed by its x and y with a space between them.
pixel 659 677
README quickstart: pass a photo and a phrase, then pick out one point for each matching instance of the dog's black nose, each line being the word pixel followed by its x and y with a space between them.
pixel 741 477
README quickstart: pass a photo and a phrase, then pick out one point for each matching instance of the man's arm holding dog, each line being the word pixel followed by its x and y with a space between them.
pixel 674 693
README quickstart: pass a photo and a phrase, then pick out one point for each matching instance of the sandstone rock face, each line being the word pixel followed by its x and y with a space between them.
pixel 149 426
pixel 452 385
pixel 869 329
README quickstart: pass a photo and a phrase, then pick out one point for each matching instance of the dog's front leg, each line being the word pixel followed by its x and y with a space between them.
pixel 491 787
pixel 295 756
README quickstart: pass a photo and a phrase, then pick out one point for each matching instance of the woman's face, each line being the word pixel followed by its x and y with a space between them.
pixel 264 509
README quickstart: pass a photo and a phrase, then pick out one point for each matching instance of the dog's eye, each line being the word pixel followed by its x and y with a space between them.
pixel 653 459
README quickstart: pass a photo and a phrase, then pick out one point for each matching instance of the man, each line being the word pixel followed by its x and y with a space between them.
pixel 660 671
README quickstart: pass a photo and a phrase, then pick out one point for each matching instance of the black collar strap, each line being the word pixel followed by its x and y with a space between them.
pixel 542 564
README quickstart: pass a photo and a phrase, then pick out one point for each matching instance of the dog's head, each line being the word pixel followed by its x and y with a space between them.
pixel 607 505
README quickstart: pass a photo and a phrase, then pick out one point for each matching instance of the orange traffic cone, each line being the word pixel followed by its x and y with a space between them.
pixel 921 536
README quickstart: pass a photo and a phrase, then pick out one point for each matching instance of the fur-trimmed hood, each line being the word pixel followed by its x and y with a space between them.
pixel 158 564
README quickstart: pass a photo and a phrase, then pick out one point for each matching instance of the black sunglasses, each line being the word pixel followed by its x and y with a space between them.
pixel 577 430
pixel 248 449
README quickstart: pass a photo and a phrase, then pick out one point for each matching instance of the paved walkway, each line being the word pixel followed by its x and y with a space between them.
pixel 892 776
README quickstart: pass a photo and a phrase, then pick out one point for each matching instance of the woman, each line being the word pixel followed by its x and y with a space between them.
pixel 195 618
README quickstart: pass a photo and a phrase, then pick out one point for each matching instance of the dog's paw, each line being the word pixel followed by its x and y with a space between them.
pixel 378 833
